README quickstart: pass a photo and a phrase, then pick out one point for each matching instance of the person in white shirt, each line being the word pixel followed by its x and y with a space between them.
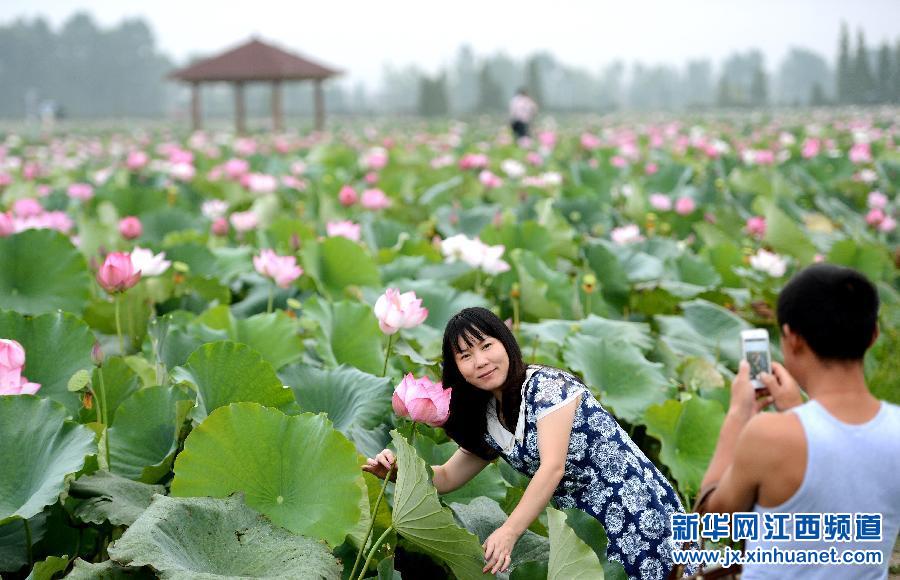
pixel 522 110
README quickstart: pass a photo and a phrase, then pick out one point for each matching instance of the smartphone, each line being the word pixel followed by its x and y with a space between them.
pixel 755 350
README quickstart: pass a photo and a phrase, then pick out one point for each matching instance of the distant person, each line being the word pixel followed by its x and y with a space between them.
pixel 522 110
pixel 838 454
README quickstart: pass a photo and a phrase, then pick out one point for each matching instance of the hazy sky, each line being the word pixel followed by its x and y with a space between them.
pixel 361 36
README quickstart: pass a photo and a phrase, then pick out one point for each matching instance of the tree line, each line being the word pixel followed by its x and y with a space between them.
pixel 89 71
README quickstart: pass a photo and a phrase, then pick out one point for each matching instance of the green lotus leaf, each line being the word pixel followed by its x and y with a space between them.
pixel 338 263
pixel 570 558
pixel 704 329
pixel 226 372
pixel 113 383
pixel 107 570
pixel 46 569
pixel 219 538
pixel 688 431
pixel 592 533
pixel 51 367
pixel 482 516
pixel 273 335
pixel 351 398
pixel 106 497
pixel 785 236
pixel 39 447
pixel 605 264
pixel 420 518
pixel 487 484
pixel 546 293
pixel 41 271
pixel 14 540
pixel 872 260
pixel 144 437
pixel 557 331
pixel 348 334
pixel 618 374
pixel 298 470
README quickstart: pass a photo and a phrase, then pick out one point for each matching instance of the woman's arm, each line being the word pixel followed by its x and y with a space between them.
pixel 553 447
pixel 457 471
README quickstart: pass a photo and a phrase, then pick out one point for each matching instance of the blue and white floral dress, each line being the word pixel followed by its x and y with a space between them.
pixel 606 474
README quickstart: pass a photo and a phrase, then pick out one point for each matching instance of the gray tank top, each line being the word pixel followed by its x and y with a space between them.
pixel 850 469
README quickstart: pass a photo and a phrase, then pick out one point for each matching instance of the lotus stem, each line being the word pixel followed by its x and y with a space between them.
pixel 117 300
pixel 28 548
pixel 362 548
pixel 375 547
pixel 271 298
pixel 387 354
pixel 104 411
pixel 478 281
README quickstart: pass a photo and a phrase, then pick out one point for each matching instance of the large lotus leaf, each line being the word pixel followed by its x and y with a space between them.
pixel 618 373
pixel 872 260
pixel 785 236
pixel 420 518
pixel 273 335
pixel 297 470
pixel 545 293
pixel 639 266
pixel 338 263
pixel 348 334
pixel 605 264
pixel 144 437
pixel 46 569
pixel 570 558
pixel 592 533
pixel 688 431
pixel 704 329
pixel 441 299
pixel 694 270
pixel 482 516
pixel 38 449
pixel 350 397
pixel 226 372
pixel 114 382
pixel 107 570
pixel 219 538
pixel 51 367
pixel 487 484
pixel 14 541
pixel 41 271
pixel 557 331
pixel 106 497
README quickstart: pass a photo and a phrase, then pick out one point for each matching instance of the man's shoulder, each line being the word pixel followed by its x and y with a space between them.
pixel 780 434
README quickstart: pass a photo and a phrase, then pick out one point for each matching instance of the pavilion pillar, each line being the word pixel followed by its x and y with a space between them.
pixel 319 104
pixel 196 116
pixel 239 111
pixel 277 111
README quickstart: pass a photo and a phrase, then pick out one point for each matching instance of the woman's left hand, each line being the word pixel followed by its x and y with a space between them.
pixel 498 549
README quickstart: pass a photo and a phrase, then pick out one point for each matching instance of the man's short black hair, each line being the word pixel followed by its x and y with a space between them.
pixel 835 309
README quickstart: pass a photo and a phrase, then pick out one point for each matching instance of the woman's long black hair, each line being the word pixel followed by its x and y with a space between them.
pixel 467 423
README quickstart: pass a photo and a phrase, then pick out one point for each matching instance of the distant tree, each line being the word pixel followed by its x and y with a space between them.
pixel 817 96
pixel 533 80
pixel 698 85
pixel 491 98
pixel 798 73
pixel 739 71
pixel 463 82
pixel 896 75
pixel 863 78
pixel 884 74
pixel 433 96
pixel 724 94
pixel 845 75
pixel 759 88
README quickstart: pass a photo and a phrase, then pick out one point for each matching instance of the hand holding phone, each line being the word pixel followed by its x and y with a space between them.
pixel 755 350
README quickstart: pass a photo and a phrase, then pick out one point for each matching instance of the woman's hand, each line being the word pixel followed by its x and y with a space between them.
pixel 381 465
pixel 498 549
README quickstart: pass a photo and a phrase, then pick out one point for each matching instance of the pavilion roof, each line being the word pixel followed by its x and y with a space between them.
pixel 254 61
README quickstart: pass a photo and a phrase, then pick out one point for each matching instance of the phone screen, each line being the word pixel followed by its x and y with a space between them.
pixel 756 351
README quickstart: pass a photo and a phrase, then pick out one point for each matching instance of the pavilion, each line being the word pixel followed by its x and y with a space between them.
pixel 255 61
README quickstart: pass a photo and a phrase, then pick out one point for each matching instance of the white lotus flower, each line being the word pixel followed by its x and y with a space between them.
pixel 475 253
pixel 512 168
pixel 768 262
pixel 148 263
pixel 626 235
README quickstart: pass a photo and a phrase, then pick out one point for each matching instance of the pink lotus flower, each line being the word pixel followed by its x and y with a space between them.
pixel 811 147
pixel 7 225
pixel 875 216
pixel 12 361
pixel 685 206
pixel 651 168
pixel 473 161
pixel 534 158
pixel 244 221
pixel 756 226
pixel 860 153
pixel 27 207
pixel 547 139
pixel 589 142
pixel 375 199
pixel 182 171
pixel 346 229
pixel 877 200
pixel 887 225
pixel 660 202
pixel 130 227
pixel 12 355
pixel 236 168
pixel 765 157
pixel 282 269
pixel 5 179
pixel 117 273
pixel 489 180
pixel 371 178
pixel 220 227
pixel 376 158
pixel 80 191
pixel 260 182
pixel 136 160
pixel 347 196
pixel 422 401
pixel 395 311
pixel 618 161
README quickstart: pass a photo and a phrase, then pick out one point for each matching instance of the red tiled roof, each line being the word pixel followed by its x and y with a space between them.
pixel 253 61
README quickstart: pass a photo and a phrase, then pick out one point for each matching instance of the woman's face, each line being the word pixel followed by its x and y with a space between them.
pixel 485 364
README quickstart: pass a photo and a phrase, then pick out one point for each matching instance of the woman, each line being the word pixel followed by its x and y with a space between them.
pixel 546 424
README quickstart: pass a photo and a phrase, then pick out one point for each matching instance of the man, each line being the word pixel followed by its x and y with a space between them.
pixel 522 110
pixel 838 453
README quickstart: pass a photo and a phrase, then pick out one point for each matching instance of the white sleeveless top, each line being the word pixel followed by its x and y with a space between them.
pixel 849 469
